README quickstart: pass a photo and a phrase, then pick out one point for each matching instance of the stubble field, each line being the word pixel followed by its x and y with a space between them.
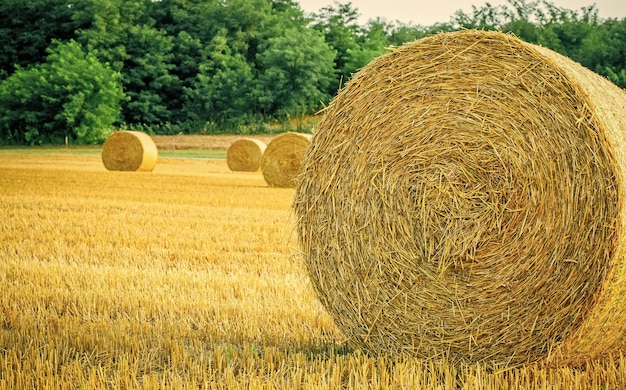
pixel 185 277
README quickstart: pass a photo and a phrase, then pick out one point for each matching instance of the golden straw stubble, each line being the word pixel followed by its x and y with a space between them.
pixel 283 157
pixel 129 151
pixel 462 199
pixel 245 155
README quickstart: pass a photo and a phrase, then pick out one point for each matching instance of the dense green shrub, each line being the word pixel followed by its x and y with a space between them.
pixel 70 95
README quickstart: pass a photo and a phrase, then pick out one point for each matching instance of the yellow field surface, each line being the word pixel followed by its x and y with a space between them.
pixel 185 277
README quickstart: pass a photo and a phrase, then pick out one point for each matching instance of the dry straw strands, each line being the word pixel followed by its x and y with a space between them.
pixel 244 155
pixel 464 197
pixel 129 151
pixel 283 157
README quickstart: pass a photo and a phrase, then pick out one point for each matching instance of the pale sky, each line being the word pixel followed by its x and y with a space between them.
pixel 429 12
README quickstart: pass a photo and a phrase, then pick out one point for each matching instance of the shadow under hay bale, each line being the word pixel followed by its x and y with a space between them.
pixel 464 197
pixel 245 155
pixel 283 157
pixel 129 151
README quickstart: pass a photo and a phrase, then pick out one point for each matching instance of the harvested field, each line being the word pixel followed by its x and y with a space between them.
pixel 173 142
pixel 188 276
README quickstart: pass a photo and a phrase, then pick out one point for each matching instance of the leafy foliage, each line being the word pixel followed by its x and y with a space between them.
pixel 233 65
pixel 70 95
pixel 27 28
pixel 297 73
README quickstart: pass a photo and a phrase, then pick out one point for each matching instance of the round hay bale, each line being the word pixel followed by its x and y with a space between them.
pixel 463 198
pixel 129 151
pixel 244 155
pixel 282 159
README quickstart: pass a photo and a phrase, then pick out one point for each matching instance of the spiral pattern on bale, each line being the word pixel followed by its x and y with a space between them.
pixel 129 151
pixel 244 155
pixel 463 199
pixel 283 157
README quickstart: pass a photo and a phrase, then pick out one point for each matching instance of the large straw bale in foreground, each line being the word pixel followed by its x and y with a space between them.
pixel 464 197
pixel 244 155
pixel 129 151
pixel 283 157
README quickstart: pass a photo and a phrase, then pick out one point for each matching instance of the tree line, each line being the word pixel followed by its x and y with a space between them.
pixel 78 68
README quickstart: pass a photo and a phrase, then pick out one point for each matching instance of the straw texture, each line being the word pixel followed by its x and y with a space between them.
pixel 283 157
pixel 463 197
pixel 244 155
pixel 129 151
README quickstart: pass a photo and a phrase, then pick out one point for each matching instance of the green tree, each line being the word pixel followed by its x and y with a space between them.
pixel 212 44
pixel 27 27
pixel 297 73
pixel 224 74
pixel 487 17
pixel 338 24
pixel 123 34
pixel 608 51
pixel 70 95
pixel 566 30
pixel 146 76
pixel 522 20
pixel 214 57
pixel 191 65
pixel 372 42
pixel 578 34
pixel 183 98
pixel 222 92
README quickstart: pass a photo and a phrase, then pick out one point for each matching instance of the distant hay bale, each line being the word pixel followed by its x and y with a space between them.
pixel 129 151
pixel 282 159
pixel 464 197
pixel 244 155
